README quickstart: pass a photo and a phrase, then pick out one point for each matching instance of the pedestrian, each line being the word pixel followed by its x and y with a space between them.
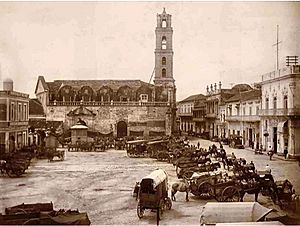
pixel 285 152
pixel 198 145
pixel 271 152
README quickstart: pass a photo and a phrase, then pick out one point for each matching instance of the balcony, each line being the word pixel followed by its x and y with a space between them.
pixel 5 124
pixel 202 119
pixel 211 115
pixel 185 114
pixel 280 112
pixel 99 103
pixel 242 118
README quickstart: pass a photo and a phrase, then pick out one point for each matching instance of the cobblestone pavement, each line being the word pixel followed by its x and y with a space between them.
pixel 101 184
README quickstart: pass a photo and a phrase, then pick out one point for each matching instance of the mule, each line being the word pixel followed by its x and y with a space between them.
pixel 181 187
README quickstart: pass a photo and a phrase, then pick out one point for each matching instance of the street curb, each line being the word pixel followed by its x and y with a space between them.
pixel 274 156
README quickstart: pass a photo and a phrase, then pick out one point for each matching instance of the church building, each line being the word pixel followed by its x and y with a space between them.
pixel 118 107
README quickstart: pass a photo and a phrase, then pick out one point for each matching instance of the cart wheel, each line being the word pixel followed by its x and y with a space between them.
pixel 168 203
pixel 162 207
pixel 231 194
pixel 19 172
pixel 140 210
pixel 187 174
pixel 206 189
pixel 10 172
pixel 194 189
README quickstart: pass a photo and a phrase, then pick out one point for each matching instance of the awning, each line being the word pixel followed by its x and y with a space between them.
pixel 280 126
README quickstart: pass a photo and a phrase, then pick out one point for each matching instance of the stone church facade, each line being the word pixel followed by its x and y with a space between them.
pixel 118 107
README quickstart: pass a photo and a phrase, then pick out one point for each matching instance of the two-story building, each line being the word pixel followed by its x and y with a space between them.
pixel 185 112
pixel 14 110
pixel 242 115
pixel 280 113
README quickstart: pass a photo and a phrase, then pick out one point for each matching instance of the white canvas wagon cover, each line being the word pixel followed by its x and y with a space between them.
pixel 268 223
pixel 157 176
pixel 213 213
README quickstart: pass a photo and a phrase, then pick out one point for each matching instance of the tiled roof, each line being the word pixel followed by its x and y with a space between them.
pixel 95 84
pixel 35 107
pixel 193 98
pixel 247 95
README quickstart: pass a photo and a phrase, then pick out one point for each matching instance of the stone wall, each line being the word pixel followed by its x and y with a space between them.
pixel 137 118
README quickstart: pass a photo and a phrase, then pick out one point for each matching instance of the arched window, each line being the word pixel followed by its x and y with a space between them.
pixel 267 103
pixel 163 73
pixel 163 61
pixel 274 102
pixel 285 102
pixel 164 23
pixel 164 42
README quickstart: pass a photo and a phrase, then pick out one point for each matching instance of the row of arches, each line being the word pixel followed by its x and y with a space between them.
pixel 104 94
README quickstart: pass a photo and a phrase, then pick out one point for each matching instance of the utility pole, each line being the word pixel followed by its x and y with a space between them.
pixel 277 48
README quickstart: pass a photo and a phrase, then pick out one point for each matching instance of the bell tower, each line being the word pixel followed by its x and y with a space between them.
pixel 164 55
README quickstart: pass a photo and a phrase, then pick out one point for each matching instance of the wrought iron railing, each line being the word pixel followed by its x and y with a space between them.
pixel 243 118
pixel 279 112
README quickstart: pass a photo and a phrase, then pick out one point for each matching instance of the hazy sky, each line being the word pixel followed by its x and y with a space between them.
pixel 212 41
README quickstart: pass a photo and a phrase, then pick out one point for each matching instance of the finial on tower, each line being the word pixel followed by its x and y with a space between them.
pixel 164 11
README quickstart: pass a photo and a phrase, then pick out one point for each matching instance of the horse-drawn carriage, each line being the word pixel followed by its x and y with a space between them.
pixel 285 195
pixel 137 148
pixel 15 163
pixel 217 185
pixel 236 141
pixel 158 149
pixel 153 193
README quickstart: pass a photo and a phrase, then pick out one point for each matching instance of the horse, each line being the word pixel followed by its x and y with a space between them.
pixel 181 187
pixel 254 188
pixel 136 190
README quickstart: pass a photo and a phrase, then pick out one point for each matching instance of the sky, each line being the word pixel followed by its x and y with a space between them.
pixel 231 42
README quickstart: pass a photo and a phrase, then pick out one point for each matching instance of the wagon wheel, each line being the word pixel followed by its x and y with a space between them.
pixel 10 172
pixel 140 210
pixel 194 189
pixel 231 194
pixel 168 203
pixel 162 207
pixel 206 189
pixel 19 172
pixel 187 174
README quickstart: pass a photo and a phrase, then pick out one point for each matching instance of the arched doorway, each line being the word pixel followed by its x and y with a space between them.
pixel 121 129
